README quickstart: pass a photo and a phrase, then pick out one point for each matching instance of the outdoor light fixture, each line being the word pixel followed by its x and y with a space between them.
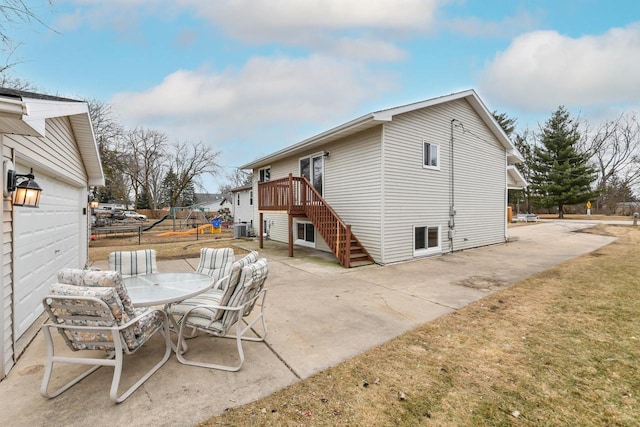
pixel 94 204
pixel 26 190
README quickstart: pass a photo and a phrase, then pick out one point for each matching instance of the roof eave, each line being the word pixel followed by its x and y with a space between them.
pixel 358 124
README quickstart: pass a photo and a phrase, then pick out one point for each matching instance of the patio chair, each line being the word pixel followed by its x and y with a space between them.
pixel 216 312
pixel 92 311
pixel 215 262
pixel 132 263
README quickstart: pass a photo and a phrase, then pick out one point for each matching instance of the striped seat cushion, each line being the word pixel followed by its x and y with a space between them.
pixel 132 263
pixel 216 262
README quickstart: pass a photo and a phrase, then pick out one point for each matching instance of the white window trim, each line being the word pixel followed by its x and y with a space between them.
pixel 437 167
pixel 428 251
pixel 301 242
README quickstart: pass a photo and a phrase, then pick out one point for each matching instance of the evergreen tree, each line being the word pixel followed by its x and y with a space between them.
pixel 561 174
pixel 143 200
pixel 168 195
pixel 188 195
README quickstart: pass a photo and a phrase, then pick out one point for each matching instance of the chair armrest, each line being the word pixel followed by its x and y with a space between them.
pixel 219 282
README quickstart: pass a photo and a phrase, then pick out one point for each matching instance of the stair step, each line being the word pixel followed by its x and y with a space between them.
pixel 360 263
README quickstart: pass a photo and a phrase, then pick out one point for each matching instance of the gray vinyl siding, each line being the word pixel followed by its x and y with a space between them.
pixel 417 196
pixel 57 152
pixel 6 290
pixel 353 184
pixel 480 184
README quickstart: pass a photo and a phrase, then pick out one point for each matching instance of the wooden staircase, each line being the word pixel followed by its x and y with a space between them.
pixel 297 197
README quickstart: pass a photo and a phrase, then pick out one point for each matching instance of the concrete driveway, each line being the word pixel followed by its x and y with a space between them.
pixel 318 313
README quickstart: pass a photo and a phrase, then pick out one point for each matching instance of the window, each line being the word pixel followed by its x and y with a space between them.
pixel 431 155
pixel 305 234
pixel 238 198
pixel 251 198
pixel 265 174
pixel 426 240
pixel 312 168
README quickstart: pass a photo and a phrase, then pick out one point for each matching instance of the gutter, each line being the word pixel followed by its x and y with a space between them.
pixel 11 108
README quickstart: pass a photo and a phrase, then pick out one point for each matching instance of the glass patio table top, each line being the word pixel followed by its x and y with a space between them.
pixel 165 288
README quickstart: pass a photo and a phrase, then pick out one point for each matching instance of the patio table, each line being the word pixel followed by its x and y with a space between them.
pixel 165 288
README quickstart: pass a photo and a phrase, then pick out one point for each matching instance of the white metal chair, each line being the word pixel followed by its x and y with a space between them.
pixel 90 314
pixel 216 312
pixel 132 263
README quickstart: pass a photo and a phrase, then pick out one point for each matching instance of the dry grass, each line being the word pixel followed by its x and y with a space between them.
pixel 170 247
pixel 592 217
pixel 559 348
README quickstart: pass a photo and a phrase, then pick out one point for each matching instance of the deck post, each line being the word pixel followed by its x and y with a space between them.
pixel 261 231
pixel 347 248
pixel 289 210
pixel 290 235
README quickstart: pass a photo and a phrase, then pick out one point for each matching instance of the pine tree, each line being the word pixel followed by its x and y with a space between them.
pixel 168 189
pixel 561 174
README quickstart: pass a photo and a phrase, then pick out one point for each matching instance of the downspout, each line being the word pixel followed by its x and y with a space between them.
pixel 452 206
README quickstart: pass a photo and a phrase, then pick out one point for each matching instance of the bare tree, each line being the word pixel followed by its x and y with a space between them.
pixel 108 133
pixel 235 179
pixel 189 163
pixel 615 148
pixel 144 162
pixel 13 13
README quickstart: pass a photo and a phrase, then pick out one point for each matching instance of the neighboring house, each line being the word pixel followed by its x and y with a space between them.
pixel 243 206
pixel 212 203
pixel 394 185
pixel 53 136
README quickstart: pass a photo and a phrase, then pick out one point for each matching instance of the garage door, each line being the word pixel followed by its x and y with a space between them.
pixel 45 239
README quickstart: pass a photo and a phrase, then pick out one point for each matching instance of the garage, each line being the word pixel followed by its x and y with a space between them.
pixel 54 137
pixel 46 240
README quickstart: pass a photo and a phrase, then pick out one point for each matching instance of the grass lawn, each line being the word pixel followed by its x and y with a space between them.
pixel 559 348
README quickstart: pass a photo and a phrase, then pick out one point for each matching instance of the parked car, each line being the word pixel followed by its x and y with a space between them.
pixel 135 215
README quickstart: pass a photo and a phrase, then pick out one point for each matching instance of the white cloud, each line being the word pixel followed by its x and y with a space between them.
pixel 239 104
pixel 543 69
pixel 507 27
pixel 277 20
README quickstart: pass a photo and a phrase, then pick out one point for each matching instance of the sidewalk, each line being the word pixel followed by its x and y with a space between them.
pixel 318 314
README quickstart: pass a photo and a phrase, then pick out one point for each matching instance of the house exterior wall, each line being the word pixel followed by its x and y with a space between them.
pixel 376 181
pixel 6 290
pixel 418 196
pixel 56 155
pixel 243 204
pixel 351 186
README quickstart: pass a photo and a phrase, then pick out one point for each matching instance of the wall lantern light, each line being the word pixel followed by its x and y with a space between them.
pixel 26 190
pixel 94 204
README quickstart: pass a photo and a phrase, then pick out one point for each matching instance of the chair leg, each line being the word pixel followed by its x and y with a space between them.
pixel 239 331
pixel 113 393
pixel 260 337
pixel 51 359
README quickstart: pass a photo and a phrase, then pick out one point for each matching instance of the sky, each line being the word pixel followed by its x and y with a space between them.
pixel 250 77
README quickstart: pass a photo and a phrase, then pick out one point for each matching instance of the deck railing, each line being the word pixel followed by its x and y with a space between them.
pixel 297 196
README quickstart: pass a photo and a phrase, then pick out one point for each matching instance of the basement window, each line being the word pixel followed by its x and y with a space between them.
pixel 426 240
pixel 305 234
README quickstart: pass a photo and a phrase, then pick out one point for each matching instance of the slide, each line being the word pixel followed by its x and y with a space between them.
pixel 155 223
pixel 200 230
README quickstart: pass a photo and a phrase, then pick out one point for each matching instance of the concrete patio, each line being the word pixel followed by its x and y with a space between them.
pixel 318 314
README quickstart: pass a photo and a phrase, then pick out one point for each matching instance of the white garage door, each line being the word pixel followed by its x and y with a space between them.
pixel 45 239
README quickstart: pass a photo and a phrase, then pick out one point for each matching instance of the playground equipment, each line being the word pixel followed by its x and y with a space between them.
pixel 206 228
pixel 155 223
pixel 217 225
